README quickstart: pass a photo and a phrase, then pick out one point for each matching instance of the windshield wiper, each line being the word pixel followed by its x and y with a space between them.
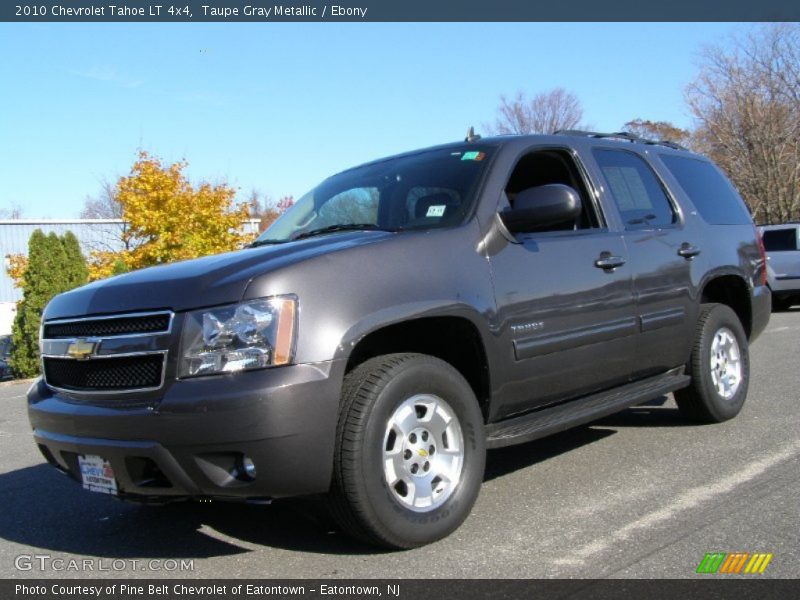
pixel 258 243
pixel 340 227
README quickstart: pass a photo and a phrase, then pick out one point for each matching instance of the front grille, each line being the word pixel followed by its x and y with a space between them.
pixel 105 374
pixel 105 327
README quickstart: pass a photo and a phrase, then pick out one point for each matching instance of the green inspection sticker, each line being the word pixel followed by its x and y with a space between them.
pixel 473 156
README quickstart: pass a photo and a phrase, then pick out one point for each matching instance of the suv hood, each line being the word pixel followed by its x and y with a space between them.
pixel 208 281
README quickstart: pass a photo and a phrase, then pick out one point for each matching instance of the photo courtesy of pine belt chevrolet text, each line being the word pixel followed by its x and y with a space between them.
pixel 402 318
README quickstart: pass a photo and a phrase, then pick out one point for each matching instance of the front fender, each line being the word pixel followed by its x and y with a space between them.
pixel 346 294
pixel 395 315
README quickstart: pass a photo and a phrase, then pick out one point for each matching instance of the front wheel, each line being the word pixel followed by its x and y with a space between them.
pixel 719 367
pixel 410 451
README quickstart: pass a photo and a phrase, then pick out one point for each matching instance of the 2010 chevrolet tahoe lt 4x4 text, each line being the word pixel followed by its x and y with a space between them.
pixel 401 318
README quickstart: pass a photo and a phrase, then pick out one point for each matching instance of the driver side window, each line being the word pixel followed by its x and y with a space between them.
pixel 544 167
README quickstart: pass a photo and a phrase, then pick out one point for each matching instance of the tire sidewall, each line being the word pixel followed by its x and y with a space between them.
pixel 721 408
pixel 403 526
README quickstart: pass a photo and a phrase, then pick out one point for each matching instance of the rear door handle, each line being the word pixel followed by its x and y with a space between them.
pixel 688 251
pixel 608 262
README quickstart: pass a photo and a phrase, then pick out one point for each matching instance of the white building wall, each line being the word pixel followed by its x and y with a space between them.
pixel 8 311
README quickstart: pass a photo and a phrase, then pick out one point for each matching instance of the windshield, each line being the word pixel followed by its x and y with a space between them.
pixel 422 191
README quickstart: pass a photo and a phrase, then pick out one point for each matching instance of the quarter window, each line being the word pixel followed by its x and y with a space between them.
pixel 708 189
pixel 638 194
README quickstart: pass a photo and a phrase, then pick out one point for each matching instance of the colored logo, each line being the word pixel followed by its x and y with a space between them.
pixel 82 349
pixel 735 563
pixel 423 452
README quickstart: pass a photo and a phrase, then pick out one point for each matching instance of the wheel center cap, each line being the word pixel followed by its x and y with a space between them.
pixel 419 448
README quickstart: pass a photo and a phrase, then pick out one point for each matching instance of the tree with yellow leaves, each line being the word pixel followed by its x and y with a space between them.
pixel 17 263
pixel 169 219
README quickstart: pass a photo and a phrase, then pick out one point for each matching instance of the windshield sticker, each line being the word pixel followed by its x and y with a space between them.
pixel 437 210
pixel 473 156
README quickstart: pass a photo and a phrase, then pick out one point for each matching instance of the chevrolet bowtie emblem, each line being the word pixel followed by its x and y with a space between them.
pixel 422 452
pixel 82 349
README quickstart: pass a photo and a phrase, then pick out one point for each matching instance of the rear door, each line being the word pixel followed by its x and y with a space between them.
pixel 663 253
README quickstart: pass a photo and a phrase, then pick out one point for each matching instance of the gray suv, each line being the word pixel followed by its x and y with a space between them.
pixel 404 316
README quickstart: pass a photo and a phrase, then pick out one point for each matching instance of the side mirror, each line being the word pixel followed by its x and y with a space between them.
pixel 542 206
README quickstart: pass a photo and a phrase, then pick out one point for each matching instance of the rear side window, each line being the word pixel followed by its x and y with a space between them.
pixel 780 240
pixel 638 194
pixel 709 190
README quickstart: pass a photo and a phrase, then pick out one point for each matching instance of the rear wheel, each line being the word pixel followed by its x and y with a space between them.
pixel 719 367
pixel 410 451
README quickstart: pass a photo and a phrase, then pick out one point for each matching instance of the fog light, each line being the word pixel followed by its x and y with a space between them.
pixel 248 467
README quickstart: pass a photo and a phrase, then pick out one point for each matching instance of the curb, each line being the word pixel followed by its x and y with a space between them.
pixel 16 382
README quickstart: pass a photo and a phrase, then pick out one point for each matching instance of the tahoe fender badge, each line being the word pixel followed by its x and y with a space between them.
pixel 527 327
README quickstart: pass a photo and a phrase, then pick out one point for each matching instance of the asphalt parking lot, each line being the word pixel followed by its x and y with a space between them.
pixel 639 494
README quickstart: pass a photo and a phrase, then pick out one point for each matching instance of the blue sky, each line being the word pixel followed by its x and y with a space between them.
pixel 278 107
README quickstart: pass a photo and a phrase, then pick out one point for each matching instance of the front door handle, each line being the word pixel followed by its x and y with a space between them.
pixel 688 251
pixel 608 262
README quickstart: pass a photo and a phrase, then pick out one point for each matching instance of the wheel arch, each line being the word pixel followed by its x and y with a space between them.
pixel 731 289
pixel 453 338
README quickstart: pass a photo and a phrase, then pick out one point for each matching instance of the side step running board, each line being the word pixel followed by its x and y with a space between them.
pixel 546 421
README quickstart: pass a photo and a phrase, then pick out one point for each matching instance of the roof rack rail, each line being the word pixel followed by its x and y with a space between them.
pixel 621 135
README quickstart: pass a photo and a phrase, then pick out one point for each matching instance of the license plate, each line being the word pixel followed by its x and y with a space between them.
pixel 97 474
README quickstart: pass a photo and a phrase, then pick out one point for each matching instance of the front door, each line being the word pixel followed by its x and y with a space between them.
pixel 565 302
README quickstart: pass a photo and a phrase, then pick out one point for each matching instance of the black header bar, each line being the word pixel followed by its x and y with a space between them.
pixel 262 11
pixel 709 588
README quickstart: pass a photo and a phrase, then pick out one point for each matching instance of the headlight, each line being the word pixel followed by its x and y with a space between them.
pixel 249 335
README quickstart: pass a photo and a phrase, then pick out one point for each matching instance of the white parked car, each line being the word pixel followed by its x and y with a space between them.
pixel 782 243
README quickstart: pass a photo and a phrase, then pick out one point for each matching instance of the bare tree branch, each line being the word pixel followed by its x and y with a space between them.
pixel 12 212
pixel 106 206
pixel 657 130
pixel 544 113
pixel 746 102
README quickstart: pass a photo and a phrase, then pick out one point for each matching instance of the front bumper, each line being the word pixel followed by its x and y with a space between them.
pixel 192 441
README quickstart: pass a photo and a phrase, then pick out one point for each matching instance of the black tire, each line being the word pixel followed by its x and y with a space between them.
pixel 361 500
pixel 702 401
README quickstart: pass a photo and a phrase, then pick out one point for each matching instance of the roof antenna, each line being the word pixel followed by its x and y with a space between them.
pixel 471 135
